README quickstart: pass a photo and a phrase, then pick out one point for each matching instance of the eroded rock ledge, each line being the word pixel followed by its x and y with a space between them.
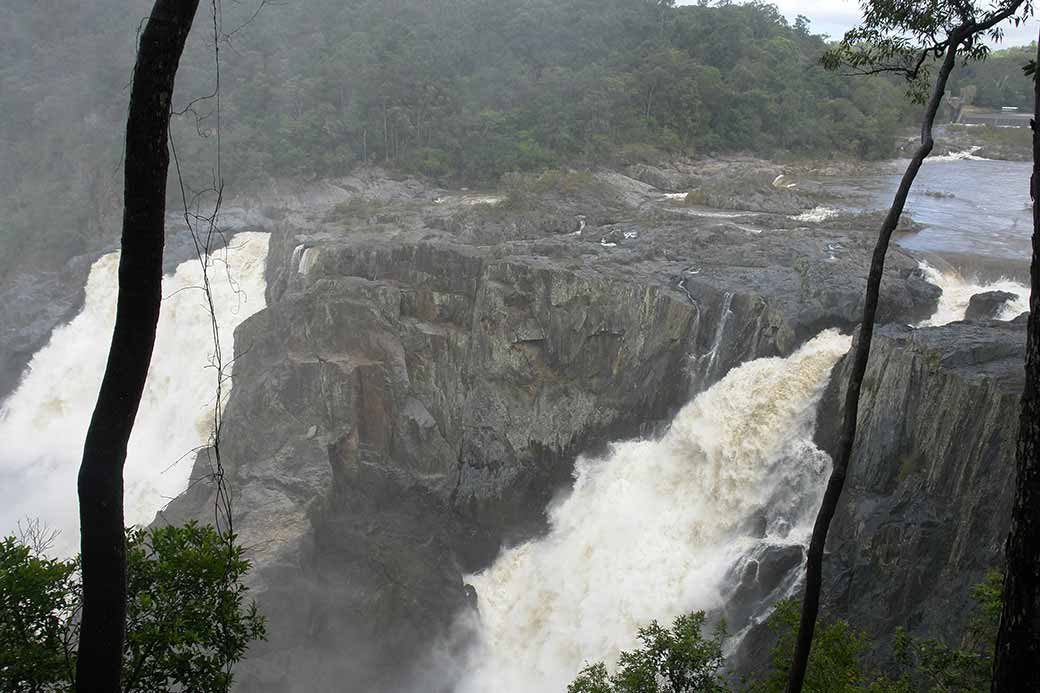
pixel 430 364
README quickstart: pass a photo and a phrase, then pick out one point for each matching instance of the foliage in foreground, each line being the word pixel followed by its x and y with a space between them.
pixel 38 602
pixel 187 621
pixel 682 660
pixel 670 661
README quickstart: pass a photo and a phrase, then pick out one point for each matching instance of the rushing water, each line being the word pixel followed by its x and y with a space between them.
pixel 44 422
pixel 651 530
pixel 957 292
pixel 655 528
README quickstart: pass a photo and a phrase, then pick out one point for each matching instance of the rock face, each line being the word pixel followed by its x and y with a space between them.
pixel 988 305
pixel 925 511
pixel 430 364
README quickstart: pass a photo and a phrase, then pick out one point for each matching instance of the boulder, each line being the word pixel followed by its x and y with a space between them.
pixel 988 305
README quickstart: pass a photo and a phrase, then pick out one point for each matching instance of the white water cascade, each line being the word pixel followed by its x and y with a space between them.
pixel 651 530
pixel 43 424
pixel 957 292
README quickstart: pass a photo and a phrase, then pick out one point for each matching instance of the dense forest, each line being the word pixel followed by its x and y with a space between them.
pixel 997 81
pixel 461 89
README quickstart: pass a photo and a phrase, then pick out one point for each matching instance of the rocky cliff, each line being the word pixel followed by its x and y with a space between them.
pixel 927 505
pixel 431 363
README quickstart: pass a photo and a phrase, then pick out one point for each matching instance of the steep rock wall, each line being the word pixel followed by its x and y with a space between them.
pixel 927 507
pixel 423 378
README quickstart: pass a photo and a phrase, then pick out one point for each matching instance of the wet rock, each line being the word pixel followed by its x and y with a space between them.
pixel 32 304
pixel 926 507
pixel 988 305
pixel 417 390
pixel 762 577
pixel 736 184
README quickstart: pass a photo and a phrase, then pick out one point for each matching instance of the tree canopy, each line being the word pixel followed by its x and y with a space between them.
pixel 459 89
pixel 683 660
pixel 188 619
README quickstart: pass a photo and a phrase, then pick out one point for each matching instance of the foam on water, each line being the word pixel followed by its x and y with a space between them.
pixel 967 155
pixel 957 292
pixel 650 530
pixel 817 215
pixel 43 424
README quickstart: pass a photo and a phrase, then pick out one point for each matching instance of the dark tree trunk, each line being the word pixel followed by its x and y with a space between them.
pixel 814 558
pixel 98 665
pixel 1015 665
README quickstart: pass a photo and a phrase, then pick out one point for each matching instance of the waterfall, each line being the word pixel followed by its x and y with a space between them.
pixel 720 331
pixel 651 530
pixel 957 292
pixel 44 422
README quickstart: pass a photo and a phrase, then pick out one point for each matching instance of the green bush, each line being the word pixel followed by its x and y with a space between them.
pixel 834 663
pixel 187 618
pixel 683 660
pixel 39 598
pixel 679 660
pixel 357 210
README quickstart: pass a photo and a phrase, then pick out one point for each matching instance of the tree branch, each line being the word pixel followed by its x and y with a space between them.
pixel 861 354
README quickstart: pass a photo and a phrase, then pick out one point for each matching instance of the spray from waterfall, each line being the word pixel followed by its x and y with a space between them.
pixel 957 292
pixel 43 424
pixel 651 530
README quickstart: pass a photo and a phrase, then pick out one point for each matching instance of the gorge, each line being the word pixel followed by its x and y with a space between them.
pixel 476 439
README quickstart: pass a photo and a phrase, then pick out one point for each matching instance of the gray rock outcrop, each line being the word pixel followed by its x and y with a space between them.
pixel 927 503
pixel 430 364
pixel 988 305
pixel 32 304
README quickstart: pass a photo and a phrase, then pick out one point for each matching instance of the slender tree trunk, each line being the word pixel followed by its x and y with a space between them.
pixel 1015 665
pixel 814 559
pixel 98 665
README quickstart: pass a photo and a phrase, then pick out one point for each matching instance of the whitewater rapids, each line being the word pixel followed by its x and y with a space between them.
pixel 44 422
pixel 651 529
pixel 957 292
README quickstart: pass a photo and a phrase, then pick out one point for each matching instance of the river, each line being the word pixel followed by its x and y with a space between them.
pixel 967 205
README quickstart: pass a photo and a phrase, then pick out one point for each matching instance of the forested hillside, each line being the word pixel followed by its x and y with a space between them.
pixel 998 81
pixel 457 89
pixel 473 88
pixel 465 89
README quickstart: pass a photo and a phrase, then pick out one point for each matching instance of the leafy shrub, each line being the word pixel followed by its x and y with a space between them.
pixel 187 621
pixel 682 660
pixel 679 660
pixel 357 209
pixel 39 599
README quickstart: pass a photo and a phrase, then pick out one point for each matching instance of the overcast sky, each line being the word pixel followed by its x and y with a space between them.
pixel 833 17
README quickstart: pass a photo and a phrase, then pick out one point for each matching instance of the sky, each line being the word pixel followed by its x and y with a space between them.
pixel 833 17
